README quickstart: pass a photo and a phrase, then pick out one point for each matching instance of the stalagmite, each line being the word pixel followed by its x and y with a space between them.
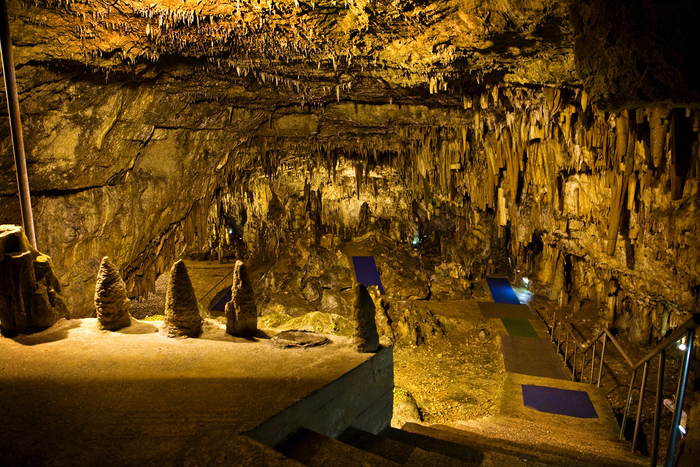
pixel 241 311
pixel 31 299
pixel 365 338
pixel 182 316
pixel 111 303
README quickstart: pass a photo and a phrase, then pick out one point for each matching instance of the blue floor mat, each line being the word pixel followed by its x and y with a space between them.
pixel 501 291
pixel 559 401
pixel 366 272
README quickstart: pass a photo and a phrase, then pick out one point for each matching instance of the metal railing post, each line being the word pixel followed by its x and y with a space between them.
pixel 680 395
pixel 8 67
pixel 627 407
pixel 554 323
pixel 595 346
pixel 638 420
pixel 657 409
pixel 602 358
pixel 559 340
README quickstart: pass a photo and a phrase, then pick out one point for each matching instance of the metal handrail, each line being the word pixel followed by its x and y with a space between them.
pixel 687 329
pixel 216 286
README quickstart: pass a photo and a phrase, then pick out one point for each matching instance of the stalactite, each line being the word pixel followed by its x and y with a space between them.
pixel 618 185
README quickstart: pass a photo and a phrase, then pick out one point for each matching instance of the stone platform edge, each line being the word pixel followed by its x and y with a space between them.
pixel 362 398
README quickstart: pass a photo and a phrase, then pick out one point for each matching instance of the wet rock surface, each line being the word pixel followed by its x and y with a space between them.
pixel 111 303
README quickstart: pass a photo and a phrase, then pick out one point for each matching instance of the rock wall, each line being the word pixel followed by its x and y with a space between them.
pixel 591 205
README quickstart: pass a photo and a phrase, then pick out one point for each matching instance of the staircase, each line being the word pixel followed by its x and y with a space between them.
pixel 514 436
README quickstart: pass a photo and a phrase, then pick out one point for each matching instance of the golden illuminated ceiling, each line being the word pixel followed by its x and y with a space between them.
pixel 403 42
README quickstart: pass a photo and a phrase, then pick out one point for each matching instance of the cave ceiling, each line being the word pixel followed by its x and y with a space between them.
pixel 382 48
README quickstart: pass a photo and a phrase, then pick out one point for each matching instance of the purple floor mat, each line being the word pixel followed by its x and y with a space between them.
pixel 366 272
pixel 559 401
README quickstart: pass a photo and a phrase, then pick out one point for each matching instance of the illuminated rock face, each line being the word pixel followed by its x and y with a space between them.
pixel 30 294
pixel 468 131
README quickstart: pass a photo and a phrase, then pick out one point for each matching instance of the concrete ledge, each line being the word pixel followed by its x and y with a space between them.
pixel 362 397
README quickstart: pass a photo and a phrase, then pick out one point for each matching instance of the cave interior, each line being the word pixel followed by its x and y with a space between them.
pixel 554 143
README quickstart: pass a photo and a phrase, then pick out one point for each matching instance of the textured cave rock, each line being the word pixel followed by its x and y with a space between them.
pixel 241 311
pixel 182 318
pixel 111 303
pixel 154 131
pixel 365 338
pixel 30 294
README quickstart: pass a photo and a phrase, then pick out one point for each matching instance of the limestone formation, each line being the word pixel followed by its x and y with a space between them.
pixel 182 318
pixel 30 294
pixel 365 337
pixel 111 303
pixel 241 311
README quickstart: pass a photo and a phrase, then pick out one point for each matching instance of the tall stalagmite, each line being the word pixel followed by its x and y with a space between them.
pixel 365 337
pixel 182 317
pixel 111 303
pixel 241 312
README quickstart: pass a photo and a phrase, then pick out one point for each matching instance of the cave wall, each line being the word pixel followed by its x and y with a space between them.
pixel 593 205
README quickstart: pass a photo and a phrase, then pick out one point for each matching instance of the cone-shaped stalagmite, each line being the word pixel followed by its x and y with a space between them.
pixel 181 311
pixel 365 338
pixel 241 312
pixel 111 303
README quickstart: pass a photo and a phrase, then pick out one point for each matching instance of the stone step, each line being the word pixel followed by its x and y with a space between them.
pixel 519 445
pixel 410 455
pixel 316 450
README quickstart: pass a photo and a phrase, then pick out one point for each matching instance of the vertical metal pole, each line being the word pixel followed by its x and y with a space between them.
pixel 627 407
pixel 638 420
pixel 566 349
pixel 574 366
pixel 8 68
pixel 602 358
pixel 554 323
pixel 595 346
pixel 583 365
pixel 559 338
pixel 680 395
pixel 657 409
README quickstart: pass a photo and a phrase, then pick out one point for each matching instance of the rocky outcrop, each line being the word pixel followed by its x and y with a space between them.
pixel 365 338
pixel 111 303
pixel 30 294
pixel 182 318
pixel 241 311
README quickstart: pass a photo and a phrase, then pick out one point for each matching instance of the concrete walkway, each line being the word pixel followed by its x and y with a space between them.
pixel 76 395
pixel 533 361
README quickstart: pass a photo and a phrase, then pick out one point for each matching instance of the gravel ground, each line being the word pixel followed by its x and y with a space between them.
pixel 155 303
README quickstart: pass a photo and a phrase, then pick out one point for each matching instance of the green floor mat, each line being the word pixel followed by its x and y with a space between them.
pixel 519 327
